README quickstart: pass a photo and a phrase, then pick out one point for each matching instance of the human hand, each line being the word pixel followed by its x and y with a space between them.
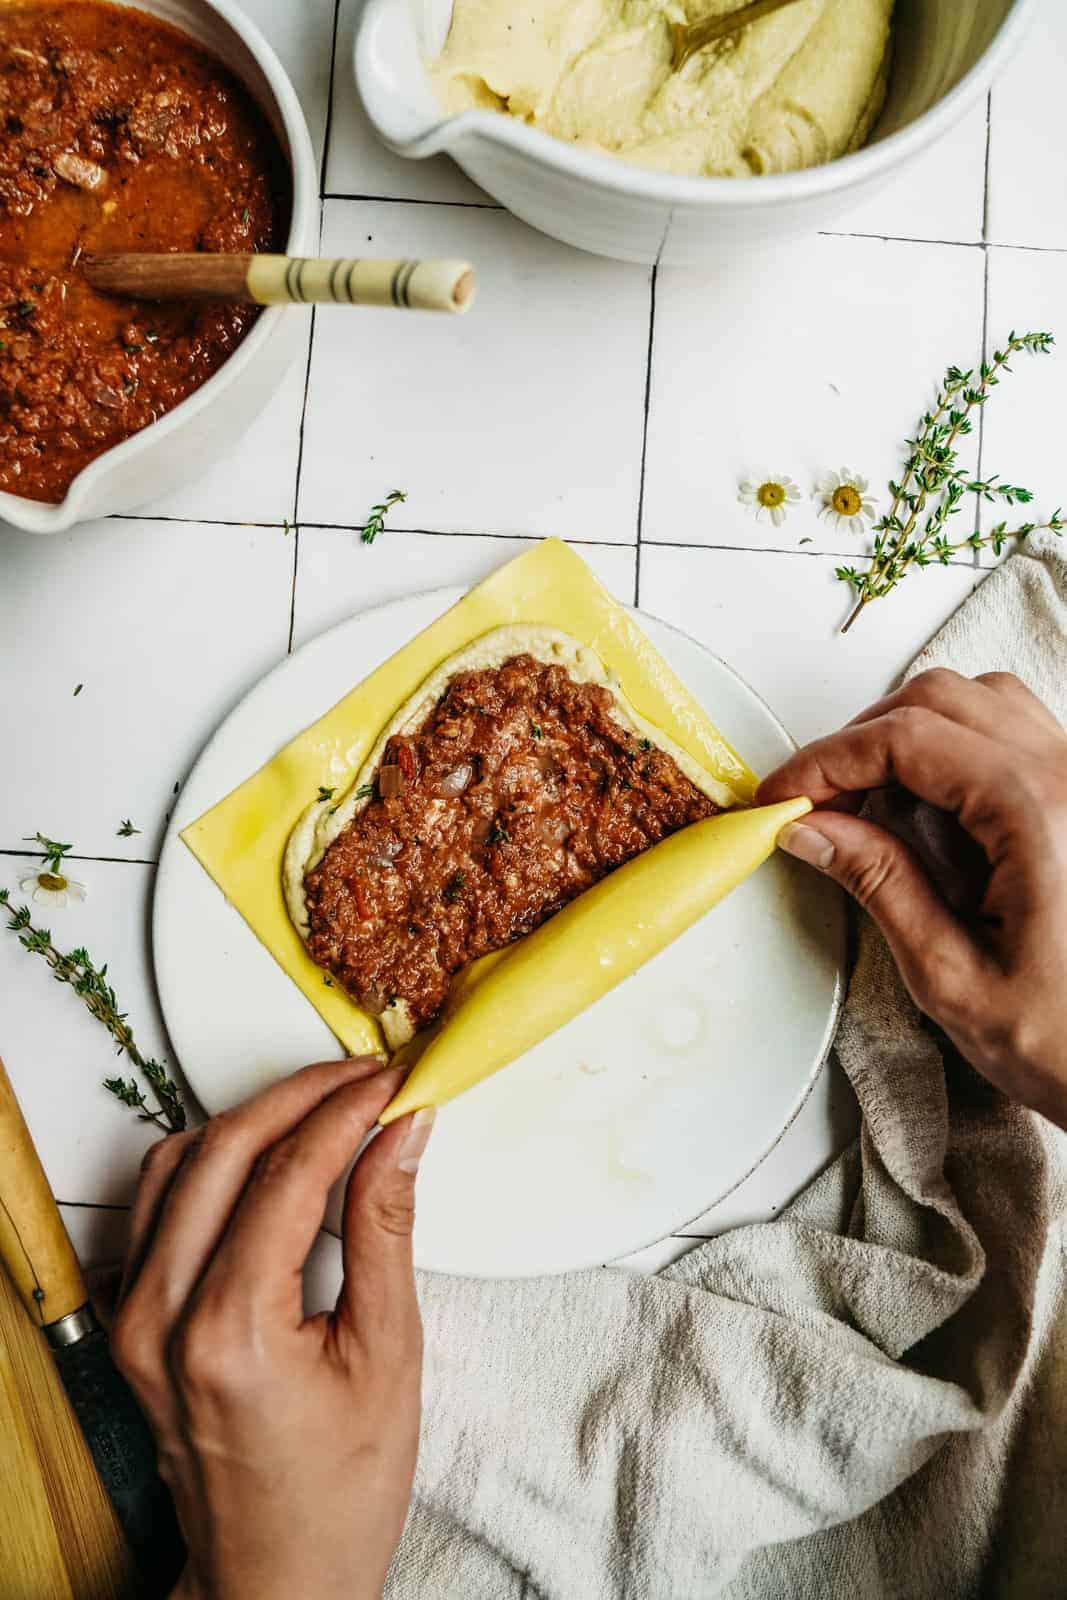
pixel 990 753
pixel 288 1444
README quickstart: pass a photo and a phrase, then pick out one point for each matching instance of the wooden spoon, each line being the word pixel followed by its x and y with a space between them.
pixel 280 280
pixel 689 38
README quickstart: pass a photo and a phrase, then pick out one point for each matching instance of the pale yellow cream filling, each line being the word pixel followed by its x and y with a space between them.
pixel 794 90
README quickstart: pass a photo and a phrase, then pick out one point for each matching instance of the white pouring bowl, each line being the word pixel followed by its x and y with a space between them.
pixel 202 428
pixel 946 55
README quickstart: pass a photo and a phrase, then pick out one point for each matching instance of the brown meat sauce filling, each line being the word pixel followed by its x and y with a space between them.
pixel 519 792
pixel 116 133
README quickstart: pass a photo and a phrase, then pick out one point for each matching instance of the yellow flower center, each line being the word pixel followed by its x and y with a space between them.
pixel 847 501
pixel 770 495
pixel 53 881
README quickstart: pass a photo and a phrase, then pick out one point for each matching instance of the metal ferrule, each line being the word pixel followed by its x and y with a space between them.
pixel 72 1328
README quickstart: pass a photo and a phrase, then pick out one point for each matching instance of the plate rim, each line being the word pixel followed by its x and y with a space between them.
pixel 449 594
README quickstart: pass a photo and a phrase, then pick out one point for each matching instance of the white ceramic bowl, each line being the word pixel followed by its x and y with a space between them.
pixel 947 52
pixel 203 427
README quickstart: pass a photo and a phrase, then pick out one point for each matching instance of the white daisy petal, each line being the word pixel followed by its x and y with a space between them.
pixel 777 515
pixel 75 889
pixel 50 897
pixel 28 885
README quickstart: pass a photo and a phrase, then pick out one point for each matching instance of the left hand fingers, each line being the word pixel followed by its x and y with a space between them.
pixel 158 1168
pixel 216 1163
pixel 259 1262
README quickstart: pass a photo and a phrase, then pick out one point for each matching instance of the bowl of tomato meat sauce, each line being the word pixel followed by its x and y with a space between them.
pixel 121 131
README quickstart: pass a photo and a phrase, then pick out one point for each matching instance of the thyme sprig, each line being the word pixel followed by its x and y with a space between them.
pixel 90 983
pixel 915 532
pixel 375 523
pixel 52 851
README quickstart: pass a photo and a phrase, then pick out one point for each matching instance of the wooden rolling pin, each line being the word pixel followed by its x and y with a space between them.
pixel 33 1241
pixel 284 280
pixel 40 1259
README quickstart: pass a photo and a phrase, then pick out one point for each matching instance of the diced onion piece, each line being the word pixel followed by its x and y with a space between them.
pixel 384 854
pixel 390 782
pixel 83 174
pixel 556 828
pixel 455 782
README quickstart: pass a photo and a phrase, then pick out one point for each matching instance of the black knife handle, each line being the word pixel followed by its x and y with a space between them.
pixel 124 1453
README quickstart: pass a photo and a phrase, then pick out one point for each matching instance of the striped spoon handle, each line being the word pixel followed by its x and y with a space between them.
pixel 279 280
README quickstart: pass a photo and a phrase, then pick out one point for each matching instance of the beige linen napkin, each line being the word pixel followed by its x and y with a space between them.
pixel 867 1396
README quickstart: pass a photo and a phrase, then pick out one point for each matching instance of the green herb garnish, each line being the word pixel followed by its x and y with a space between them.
pixel 52 851
pixel 455 886
pixel 933 487
pixel 126 829
pixel 90 983
pixel 375 522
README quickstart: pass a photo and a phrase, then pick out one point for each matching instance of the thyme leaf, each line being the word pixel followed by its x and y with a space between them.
pixel 916 530
pixel 90 983
pixel 375 523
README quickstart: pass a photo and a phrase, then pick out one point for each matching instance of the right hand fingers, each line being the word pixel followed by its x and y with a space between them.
pixel 939 961
pixel 996 704
pixel 942 762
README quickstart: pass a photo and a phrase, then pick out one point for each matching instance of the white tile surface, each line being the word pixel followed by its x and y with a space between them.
pixel 256 480
pixel 775 619
pixel 852 336
pixel 359 165
pixel 302 35
pixel 57 1055
pixel 1024 419
pixel 919 204
pixel 525 416
pixel 338 575
pixel 165 625
pixel 1027 172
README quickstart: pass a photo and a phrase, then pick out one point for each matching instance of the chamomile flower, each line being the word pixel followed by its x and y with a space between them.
pixel 769 494
pixel 50 885
pixel 846 501
pixel 52 888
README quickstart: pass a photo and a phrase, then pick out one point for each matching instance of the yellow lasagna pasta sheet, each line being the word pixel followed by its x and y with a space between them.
pixel 242 839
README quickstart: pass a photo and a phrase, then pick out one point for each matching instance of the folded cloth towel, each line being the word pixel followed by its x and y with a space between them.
pixel 866 1396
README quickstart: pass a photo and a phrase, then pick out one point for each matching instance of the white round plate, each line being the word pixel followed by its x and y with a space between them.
pixel 617 1130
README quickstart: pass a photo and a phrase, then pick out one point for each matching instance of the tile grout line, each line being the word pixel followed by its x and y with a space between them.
pixel 328 128
pixel 822 233
pixel 527 538
pixel 988 164
pixel 118 861
pixel 197 522
pixel 644 428
pixel 323 165
pixel 986 260
pixel 411 200
pixel 598 544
